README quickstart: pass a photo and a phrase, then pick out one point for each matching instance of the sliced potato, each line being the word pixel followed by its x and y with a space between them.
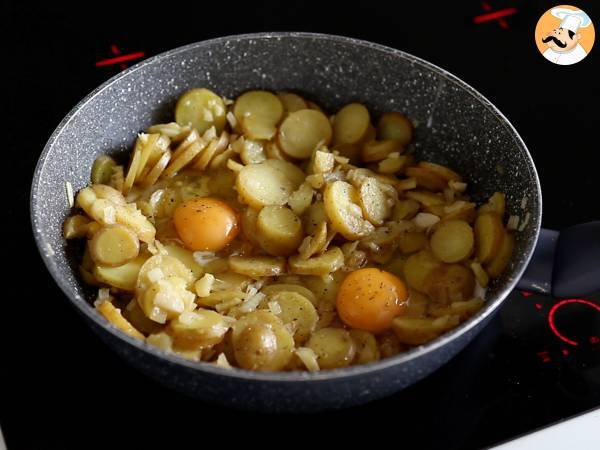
pixel 291 102
pixel 155 146
pixel 341 205
pixel 453 241
pixel 405 209
pixel 134 165
pixel 351 124
pixel 391 165
pixel 201 109
pixel 273 151
pixel 122 277
pixel 350 151
pixel 499 262
pixel 489 232
pixel 378 150
pixel 302 131
pixel 114 316
pixel 258 112
pixel 450 283
pixel 334 347
pixel 417 305
pixel 186 257
pixel 324 264
pixel 248 222
pixel 367 349
pixel 463 310
pixel 75 226
pixel 313 216
pixel 301 198
pixel 389 345
pixel 480 274
pixel 290 170
pixel 160 267
pixel 114 246
pixel 322 162
pixel 273 289
pixel 279 230
pixel 157 170
pixel 426 198
pixel 441 171
pixel 262 184
pixel 460 210
pixel 102 169
pixel 418 267
pixel 393 125
pixel 252 152
pixel 426 178
pixel 261 342
pixel 411 241
pixel 298 312
pixel 257 266
pixel 314 244
pixel 214 148
pixel 495 204
pixel 373 202
pixel 417 331
pixel 193 330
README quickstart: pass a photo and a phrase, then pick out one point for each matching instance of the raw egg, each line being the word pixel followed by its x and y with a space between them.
pixel 369 299
pixel 206 224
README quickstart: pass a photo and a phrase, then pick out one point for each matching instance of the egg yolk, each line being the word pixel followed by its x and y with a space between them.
pixel 369 299
pixel 206 224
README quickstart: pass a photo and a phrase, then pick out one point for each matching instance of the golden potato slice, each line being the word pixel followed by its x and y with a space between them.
pixel 463 310
pixel 201 109
pixel 302 131
pixel 314 244
pixel 290 170
pixel 257 266
pixel 279 230
pixel 178 163
pixel 480 274
pixel 273 151
pixel 373 202
pixel 134 165
pixel 426 198
pixel 334 347
pixel 393 125
pixel 393 165
pixel 367 349
pixel 258 112
pixel 122 277
pixel 273 289
pixel 417 331
pixel 460 210
pixel 301 198
pixel 193 330
pixel 262 184
pixel 499 262
pixel 160 267
pixel 114 246
pixel 214 148
pixel 351 124
pixel 411 241
pixel 453 241
pixel 291 102
pixel 488 236
pixel 248 222
pixel 157 170
pixel 252 152
pixel 75 227
pixel 441 171
pixel 261 342
pixel 418 267
pixel 296 311
pixel 186 257
pixel 405 209
pixel 322 162
pixel 427 179
pixel 102 169
pixel 378 150
pixel 341 201
pixel 114 316
pixel 155 146
pixel 324 264
pixel 450 283
pixel 313 216
pixel 495 204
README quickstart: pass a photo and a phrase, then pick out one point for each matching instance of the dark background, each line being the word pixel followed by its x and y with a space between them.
pixel 63 389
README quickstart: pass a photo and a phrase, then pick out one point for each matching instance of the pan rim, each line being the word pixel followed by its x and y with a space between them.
pixel 491 305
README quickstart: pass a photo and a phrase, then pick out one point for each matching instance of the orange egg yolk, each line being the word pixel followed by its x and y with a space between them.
pixel 369 299
pixel 206 224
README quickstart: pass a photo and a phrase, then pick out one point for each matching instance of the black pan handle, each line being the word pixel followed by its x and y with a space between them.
pixel 565 264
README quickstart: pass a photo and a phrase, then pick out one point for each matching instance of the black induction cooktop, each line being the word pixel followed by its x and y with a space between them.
pixel 536 363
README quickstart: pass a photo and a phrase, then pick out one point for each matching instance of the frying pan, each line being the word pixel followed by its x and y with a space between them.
pixel 455 125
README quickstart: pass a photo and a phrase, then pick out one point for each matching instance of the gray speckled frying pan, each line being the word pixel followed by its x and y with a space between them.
pixel 455 125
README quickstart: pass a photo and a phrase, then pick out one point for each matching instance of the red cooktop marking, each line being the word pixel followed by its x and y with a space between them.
pixel 544 356
pixel 594 339
pixel 552 313
pixel 494 15
pixel 526 294
pixel 538 306
pixel 118 59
